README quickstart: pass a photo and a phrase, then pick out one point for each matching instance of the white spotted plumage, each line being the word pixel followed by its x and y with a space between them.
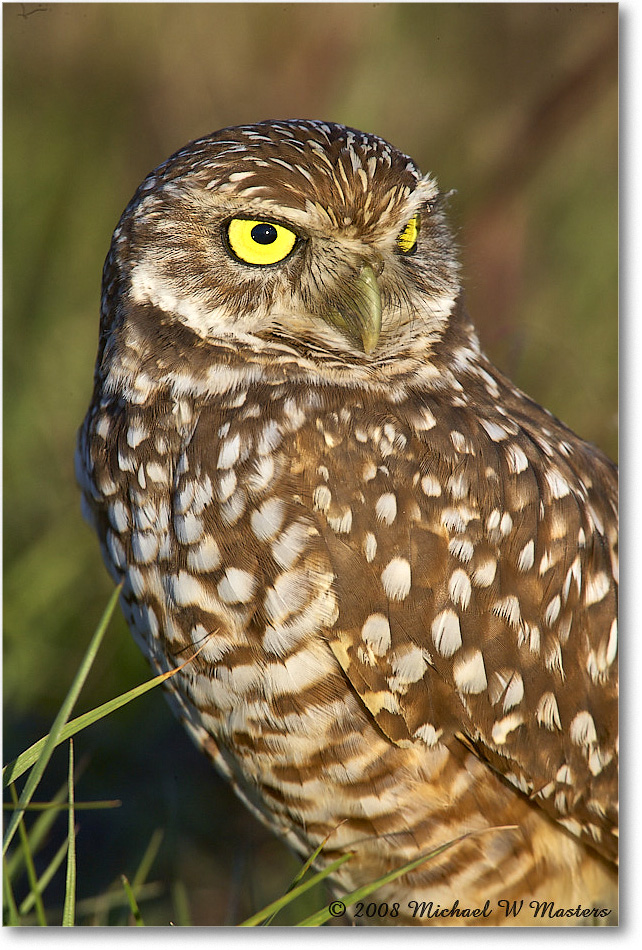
pixel 395 574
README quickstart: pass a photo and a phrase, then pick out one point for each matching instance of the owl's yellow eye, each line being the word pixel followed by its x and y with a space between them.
pixel 407 240
pixel 259 242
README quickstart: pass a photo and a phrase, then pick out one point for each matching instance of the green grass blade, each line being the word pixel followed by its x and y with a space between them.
pixel 131 900
pixel 28 859
pixel 147 859
pixel 115 899
pixel 322 916
pixel 310 861
pixel 27 758
pixel 44 879
pixel 180 901
pixel 52 739
pixel 98 805
pixel 12 918
pixel 69 910
pixel 302 872
pixel 37 834
pixel 133 890
pixel 294 893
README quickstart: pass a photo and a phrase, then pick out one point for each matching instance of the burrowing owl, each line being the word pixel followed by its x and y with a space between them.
pixel 398 570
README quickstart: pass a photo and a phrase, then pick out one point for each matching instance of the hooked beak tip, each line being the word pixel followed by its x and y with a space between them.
pixel 359 312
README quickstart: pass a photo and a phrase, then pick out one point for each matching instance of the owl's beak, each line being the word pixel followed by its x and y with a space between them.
pixel 357 310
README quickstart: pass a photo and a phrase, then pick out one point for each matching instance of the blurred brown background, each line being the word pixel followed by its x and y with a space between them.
pixel 513 105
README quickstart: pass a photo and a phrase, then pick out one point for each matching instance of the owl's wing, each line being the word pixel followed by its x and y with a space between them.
pixel 476 595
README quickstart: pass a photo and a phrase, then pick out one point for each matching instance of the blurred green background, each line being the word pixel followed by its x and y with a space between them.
pixel 512 105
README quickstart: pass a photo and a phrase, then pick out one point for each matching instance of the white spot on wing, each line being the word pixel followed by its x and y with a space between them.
pixel 188 528
pixel 456 519
pixel 287 548
pixel 369 471
pixel 557 484
pixel 582 729
pixel 297 672
pixel 526 557
pixel 496 432
pixel 136 434
pixel 263 473
pixel 236 586
pixel 386 508
pixel 458 486
pixel 269 439
pixel 597 587
pixel 288 595
pixel 369 546
pixel 461 443
pixel 459 588
pixel 597 759
pixel 227 485
pixel 552 611
pixel 185 590
pixel 484 575
pixel 430 486
pixel 203 494
pixel 233 508
pixel 574 573
pixel 185 496
pixel 396 578
pixel 508 608
pixel 158 473
pixel 564 775
pixel 322 498
pixel 470 673
pixel 509 685
pixel 611 650
pixel 514 692
pixel 229 452
pixel 376 633
pixel 103 427
pixel 116 550
pixel 506 524
pixel 547 713
pixel 546 563
pixel 428 734
pixel 118 516
pixel 424 420
pixel 493 520
pixel 516 458
pixel 267 520
pixel 341 523
pixel 503 727
pixel 446 632
pixel 406 669
pixel 462 549
pixel 205 556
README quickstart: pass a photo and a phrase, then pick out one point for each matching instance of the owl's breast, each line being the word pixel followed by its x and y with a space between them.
pixel 200 513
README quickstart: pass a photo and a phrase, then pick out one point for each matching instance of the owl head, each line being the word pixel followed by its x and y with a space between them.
pixel 297 235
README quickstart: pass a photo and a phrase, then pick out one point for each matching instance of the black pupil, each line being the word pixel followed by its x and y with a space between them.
pixel 264 233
